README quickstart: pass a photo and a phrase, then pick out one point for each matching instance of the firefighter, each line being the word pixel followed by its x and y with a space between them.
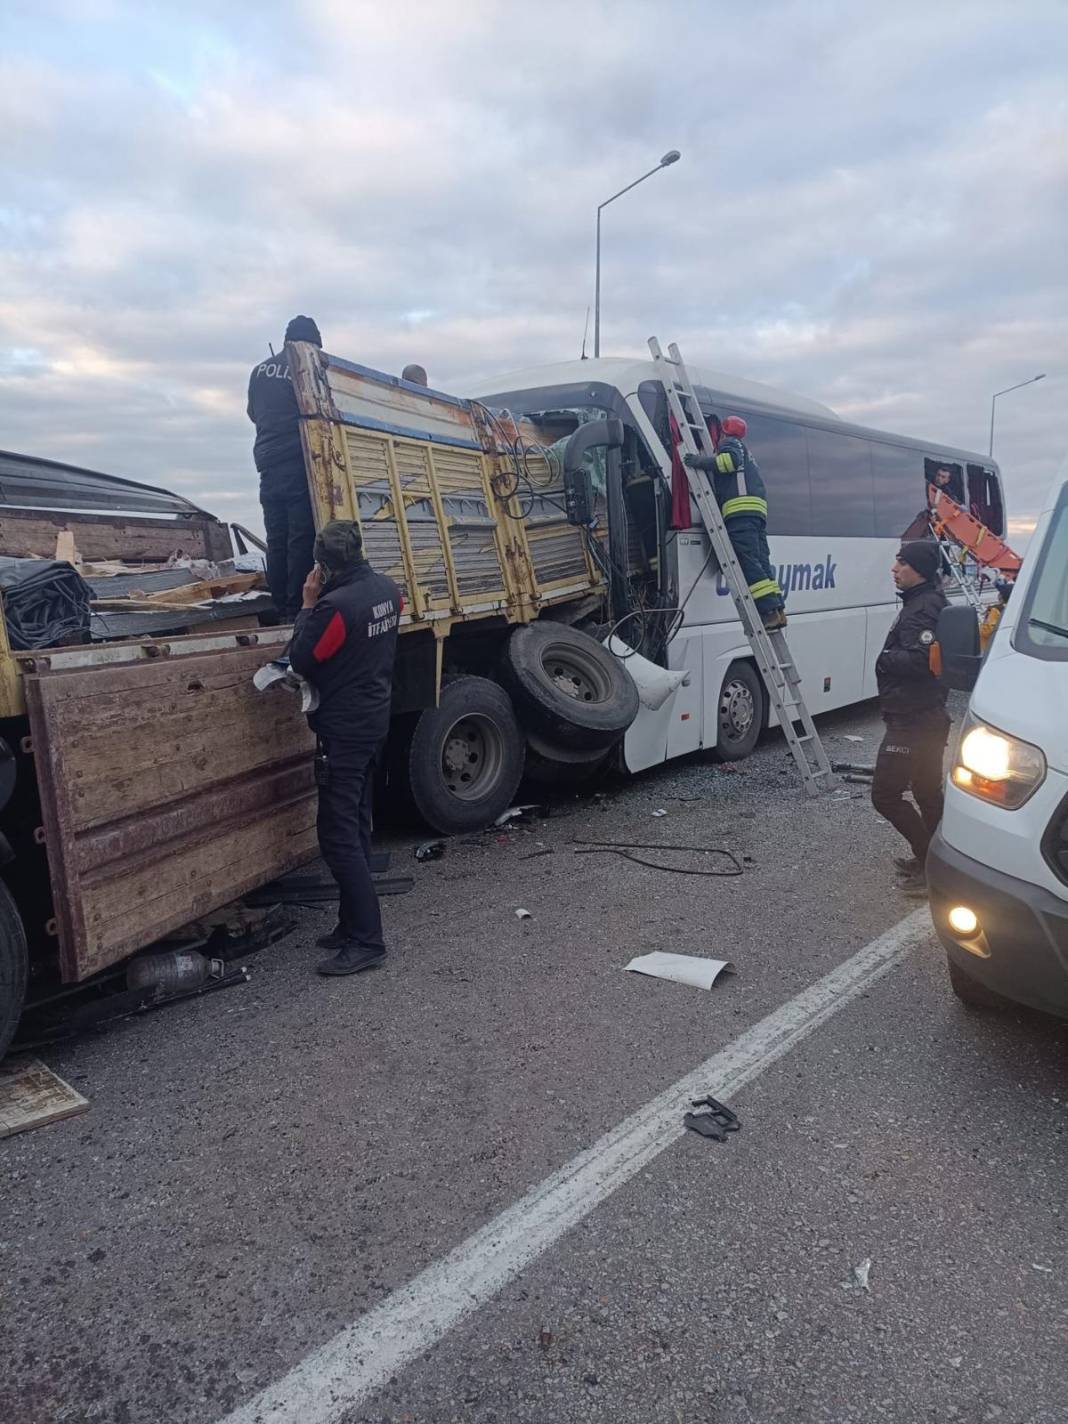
pixel 913 705
pixel 742 500
pixel 344 644
pixel 287 511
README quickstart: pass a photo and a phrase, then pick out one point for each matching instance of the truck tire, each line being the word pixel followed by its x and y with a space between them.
pixel 969 991
pixel 739 712
pixel 14 963
pixel 567 688
pixel 561 767
pixel 466 757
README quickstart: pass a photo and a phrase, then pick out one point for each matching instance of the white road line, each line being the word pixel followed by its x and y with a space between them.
pixel 366 1354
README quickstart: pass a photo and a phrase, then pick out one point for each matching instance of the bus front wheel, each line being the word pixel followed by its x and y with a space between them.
pixel 740 713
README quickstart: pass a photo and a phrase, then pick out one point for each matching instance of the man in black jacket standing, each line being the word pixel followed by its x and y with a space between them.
pixel 287 511
pixel 913 704
pixel 344 644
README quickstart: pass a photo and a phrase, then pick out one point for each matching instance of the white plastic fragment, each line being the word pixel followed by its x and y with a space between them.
pixel 654 683
pixel 660 813
pixel 689 969
pixel 523 915
pixel 861 1273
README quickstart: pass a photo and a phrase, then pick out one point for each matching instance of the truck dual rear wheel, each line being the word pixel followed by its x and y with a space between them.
pixel 14 960
pixel 466 757
pixel 560 767
pixel 567 688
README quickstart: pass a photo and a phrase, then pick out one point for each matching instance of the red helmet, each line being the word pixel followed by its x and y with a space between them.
pixel 736 426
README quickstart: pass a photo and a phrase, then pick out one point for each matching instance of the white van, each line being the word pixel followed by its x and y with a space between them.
pixel 998 866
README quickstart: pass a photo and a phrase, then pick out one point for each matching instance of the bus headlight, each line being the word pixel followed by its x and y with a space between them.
pixel 996 767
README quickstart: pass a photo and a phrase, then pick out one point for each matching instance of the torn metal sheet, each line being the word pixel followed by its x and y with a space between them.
pixel 689 969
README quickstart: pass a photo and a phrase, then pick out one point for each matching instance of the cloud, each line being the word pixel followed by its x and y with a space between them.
pixel 870 209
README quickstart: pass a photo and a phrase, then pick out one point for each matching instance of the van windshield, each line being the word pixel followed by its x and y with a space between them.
pixel 1043 630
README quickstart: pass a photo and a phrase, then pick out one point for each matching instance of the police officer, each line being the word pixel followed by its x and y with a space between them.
pixel 743 502
pixel 287 511
pixel 344 643
pixel 913 704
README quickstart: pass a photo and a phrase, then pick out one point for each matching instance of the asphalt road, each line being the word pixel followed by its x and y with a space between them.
pixel 261 1168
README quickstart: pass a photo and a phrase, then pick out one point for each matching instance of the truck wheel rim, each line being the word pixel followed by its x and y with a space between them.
pixel 472 755
pixel 736 711
pixel 576 676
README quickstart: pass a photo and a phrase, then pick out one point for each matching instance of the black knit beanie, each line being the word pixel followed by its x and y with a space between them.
pixel 921 555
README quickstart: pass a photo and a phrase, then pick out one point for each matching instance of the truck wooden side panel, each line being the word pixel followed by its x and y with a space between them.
pixel 457 503
pixel 168 788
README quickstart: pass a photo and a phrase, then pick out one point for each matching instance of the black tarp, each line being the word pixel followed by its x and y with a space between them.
pixel 46 603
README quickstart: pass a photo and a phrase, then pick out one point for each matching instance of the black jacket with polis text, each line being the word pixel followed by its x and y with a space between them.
pixel 906 684
pixel 345 646
pixel 272 407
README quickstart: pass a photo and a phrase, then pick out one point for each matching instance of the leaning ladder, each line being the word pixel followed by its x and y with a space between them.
pixel 770 649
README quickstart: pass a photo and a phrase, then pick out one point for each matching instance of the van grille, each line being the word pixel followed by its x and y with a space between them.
pixel 1055 842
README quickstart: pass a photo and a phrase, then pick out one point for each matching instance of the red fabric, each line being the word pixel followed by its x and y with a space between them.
pixel 736 426
pixel 680 485
pixel 331 639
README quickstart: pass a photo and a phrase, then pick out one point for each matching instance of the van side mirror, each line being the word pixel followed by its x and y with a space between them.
pixel 578 486
pixel 957 636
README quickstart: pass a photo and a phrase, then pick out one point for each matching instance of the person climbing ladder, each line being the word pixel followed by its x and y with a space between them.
pixel 742 499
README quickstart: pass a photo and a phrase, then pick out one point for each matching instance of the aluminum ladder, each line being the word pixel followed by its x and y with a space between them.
pixel 770 650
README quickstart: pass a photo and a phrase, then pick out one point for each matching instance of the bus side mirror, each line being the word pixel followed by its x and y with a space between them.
pixel 578 486
pixel 956 655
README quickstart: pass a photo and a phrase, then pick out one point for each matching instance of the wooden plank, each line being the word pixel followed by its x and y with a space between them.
pixel 207 589
pixel 104 536
pixel 168 788
pixel 31 1095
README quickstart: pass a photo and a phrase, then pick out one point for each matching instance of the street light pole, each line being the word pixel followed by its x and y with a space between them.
pixel 1030 382
pixel 672 156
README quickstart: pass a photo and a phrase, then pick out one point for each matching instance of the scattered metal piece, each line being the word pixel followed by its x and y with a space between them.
pixel 716 1123
pixel 430 850
pixel 533 855
pixel 860 767
pixel 627 848
pixel 526 812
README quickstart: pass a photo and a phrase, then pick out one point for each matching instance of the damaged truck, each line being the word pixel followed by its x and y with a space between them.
pixel 145 782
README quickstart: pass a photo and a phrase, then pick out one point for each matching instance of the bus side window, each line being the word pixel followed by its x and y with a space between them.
pixel 984 499
pixel 778 446
pixel 843 502
pixel 899 491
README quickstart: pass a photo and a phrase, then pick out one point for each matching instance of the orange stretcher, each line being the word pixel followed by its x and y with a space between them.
pixel 948 518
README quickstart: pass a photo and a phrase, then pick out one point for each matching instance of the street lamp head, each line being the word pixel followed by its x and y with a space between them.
pixel 672 156
pixel 1042 377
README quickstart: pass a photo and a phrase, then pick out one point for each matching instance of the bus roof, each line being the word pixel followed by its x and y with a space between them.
pixel 627 375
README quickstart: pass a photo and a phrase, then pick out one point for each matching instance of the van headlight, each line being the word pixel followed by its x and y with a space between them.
pixel 996 767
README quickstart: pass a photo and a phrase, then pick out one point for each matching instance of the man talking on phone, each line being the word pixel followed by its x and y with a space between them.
pixel 344 644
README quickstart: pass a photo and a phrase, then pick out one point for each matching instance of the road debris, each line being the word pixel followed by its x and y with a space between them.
pixel 527 812
pixel 661 812
pixel 859 1278
pixel 1047 1270
pixel 627 848
pixel 716 1123
pixel 430 850
pixel 523 915
pixel 31 1095
pixel 691 969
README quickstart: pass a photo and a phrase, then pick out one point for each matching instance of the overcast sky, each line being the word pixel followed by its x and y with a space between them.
pixel 871 208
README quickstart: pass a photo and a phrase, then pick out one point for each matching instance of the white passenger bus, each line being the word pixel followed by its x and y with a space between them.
pixel 840 496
